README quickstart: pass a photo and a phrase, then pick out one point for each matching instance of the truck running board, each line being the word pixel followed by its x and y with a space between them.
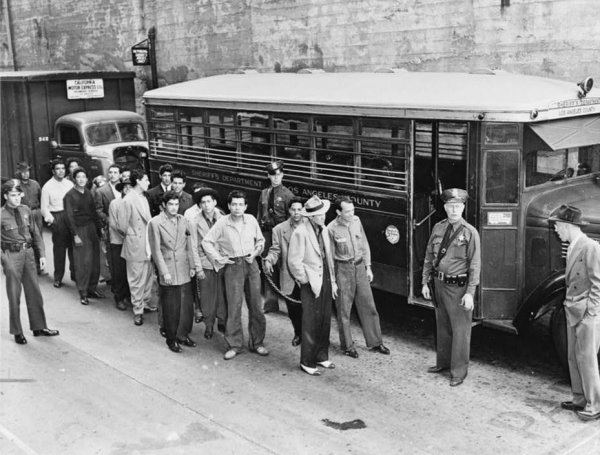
pixel 505 325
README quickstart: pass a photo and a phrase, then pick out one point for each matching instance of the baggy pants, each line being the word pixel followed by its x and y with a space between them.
pixel 19 268
pixel 118 265
pixel 212 297
pixel 61 244
pixel 453 325
pixel 295 311
pixel 177 310
pixel 354 288
pixel 140 277
pixel 243 280
pixel 583 341
pixel 87 259
pixel 316 323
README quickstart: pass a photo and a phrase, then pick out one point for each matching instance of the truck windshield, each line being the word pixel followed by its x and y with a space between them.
pixel 551 165
pixel 106 133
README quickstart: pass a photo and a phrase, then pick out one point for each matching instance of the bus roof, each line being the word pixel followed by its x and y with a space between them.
pixel 498 95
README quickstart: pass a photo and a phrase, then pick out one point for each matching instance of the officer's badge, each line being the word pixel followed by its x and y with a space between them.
pixel 461 239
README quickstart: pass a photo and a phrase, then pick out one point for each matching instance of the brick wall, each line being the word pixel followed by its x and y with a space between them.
pixel 195 38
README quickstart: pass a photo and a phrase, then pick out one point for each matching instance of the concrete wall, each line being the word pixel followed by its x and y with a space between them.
pixel 555 38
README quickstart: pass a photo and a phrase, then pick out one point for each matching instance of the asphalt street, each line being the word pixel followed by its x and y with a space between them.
pixel 105 386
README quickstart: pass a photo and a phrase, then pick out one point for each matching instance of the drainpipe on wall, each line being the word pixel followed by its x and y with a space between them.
pixel 9 34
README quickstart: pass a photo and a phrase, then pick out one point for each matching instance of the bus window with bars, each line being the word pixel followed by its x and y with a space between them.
pixel 293 143
pixel 335 148
pixel 255 140
pixel 163 130
pixel 194 136
pixel 222 141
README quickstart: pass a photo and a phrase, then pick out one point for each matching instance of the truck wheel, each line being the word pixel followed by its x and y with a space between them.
pixel 558 327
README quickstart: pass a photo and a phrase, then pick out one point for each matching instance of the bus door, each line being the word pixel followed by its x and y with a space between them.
pixel 440 161
pixel 500 267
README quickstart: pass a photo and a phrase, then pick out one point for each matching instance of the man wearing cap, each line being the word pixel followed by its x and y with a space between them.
pixel 86 230
pixel 203 216
pixel 119 284
pixel 582 309
pixel 353 274
pixel 233 243
pixel 32 195
pixel 310 260
pixel 278 255
pixel 18 236
pixel 53 211
pixel 452 264
pixel 273 207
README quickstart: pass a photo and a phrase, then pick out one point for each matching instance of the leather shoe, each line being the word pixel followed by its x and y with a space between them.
pixel 436 369
pixel 148 309
pixel 296 341
pixel 95 295
pixel 163 332
pixel 20 339
pixel 351 353
pixel 230 354
pixel 138 319
pixel 570 406
pixel 261 350
pixel 309 370
pixel 199 318
pixel 456 382
pixel 208 333
pixel 45 333
pixel 84 301
pixel 587 415
pixel 58 284
pixel 42 273
pixel 221 328
pixel 381 349
pixel 121 305
pixel 174 346
pixel 187 341
pixel 327 364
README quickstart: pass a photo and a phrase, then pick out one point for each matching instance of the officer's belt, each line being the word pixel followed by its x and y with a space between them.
pixel 15 247
pixel 350 261
pixel 459 280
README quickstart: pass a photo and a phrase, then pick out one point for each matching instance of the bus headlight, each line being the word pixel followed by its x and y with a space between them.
pixel 392 234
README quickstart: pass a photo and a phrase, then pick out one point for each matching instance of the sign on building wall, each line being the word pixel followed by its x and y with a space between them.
pixel 140 53
pixel 78 89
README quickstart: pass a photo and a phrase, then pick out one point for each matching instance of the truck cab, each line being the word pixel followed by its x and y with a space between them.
pixel 98 139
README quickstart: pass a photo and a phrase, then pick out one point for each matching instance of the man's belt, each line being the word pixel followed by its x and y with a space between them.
pixel 350 261
pixel 458 280
pixel 15 247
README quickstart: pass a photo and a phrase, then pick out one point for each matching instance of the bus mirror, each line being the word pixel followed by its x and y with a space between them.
pixel 585 86
pixel 53 144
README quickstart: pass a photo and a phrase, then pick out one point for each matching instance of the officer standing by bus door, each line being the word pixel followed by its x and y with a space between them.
pixel 453 265
pixel 273 207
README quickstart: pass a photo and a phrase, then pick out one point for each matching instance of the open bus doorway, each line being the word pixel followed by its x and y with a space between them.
pixel 439 162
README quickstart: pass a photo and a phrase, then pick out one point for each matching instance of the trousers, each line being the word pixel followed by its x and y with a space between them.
pixel 118 266
pixel 62 244
pixel 140 276
pixel 87 259
pixel 177 310
pixel 583 341
pixel 212 297
pixel 316 323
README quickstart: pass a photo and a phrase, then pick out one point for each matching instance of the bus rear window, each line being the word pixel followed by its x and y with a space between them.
pixel 551 165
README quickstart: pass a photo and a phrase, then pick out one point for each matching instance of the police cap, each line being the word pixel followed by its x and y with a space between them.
pixel 454 195
pixel 23 166
pixel 274 166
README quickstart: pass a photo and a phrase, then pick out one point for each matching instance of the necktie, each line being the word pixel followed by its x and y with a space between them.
pixel 272 201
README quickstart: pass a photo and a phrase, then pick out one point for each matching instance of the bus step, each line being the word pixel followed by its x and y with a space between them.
pixel 505 325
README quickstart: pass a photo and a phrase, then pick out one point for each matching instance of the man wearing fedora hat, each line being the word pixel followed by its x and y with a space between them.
pixel 310 261
pixel 452 264
pixel 119 284
pixel 211 286
pixel 32 195
pixel 273 207
pixel 582 309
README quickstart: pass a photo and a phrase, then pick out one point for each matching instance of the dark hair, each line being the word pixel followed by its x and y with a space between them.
pixel 11 185
pixel 201 192
pixel 79 170
pixel 338 201
pixel 237 194
pixel 178 174
pixel 116 166
pixel 55 163
pixel 136 175
pixel 72 160
pixel 296 200
pixel 165 168
pixel 169 196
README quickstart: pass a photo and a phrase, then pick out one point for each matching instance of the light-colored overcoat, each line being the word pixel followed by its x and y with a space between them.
pixel 582 276
pixel 136 215
pixel 279 252
pixel 171 247
pixel 305 260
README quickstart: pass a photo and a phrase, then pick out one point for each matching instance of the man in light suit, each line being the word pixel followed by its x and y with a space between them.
pixel 582 309
pixel 310 261
pixel 278 255
pixel 172 252
pixel 136 215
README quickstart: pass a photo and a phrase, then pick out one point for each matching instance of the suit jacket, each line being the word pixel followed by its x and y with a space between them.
pixel 199 228
pixel 171 248
pixel 102 198
pixel 115 212
pixel 582 275
pixel 279 252
pixel 185 202
pixel 136 215
pixel 154 197
pixel 305 260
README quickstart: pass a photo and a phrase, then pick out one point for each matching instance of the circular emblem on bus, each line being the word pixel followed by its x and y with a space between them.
pixel 392 234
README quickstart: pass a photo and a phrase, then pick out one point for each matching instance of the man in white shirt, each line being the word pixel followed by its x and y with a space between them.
pixel 53 211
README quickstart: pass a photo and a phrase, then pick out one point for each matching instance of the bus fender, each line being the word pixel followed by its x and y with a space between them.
pixel 541 300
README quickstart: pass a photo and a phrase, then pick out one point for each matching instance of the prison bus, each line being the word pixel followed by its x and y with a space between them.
pixel 393 141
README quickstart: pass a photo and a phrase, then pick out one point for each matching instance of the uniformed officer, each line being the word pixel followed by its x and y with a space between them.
pixel 273 207
pixel 32 195
pixel 452 265
pixel 19 235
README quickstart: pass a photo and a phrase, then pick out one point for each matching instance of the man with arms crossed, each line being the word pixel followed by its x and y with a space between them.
pixel 234 242
pixel 582 309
